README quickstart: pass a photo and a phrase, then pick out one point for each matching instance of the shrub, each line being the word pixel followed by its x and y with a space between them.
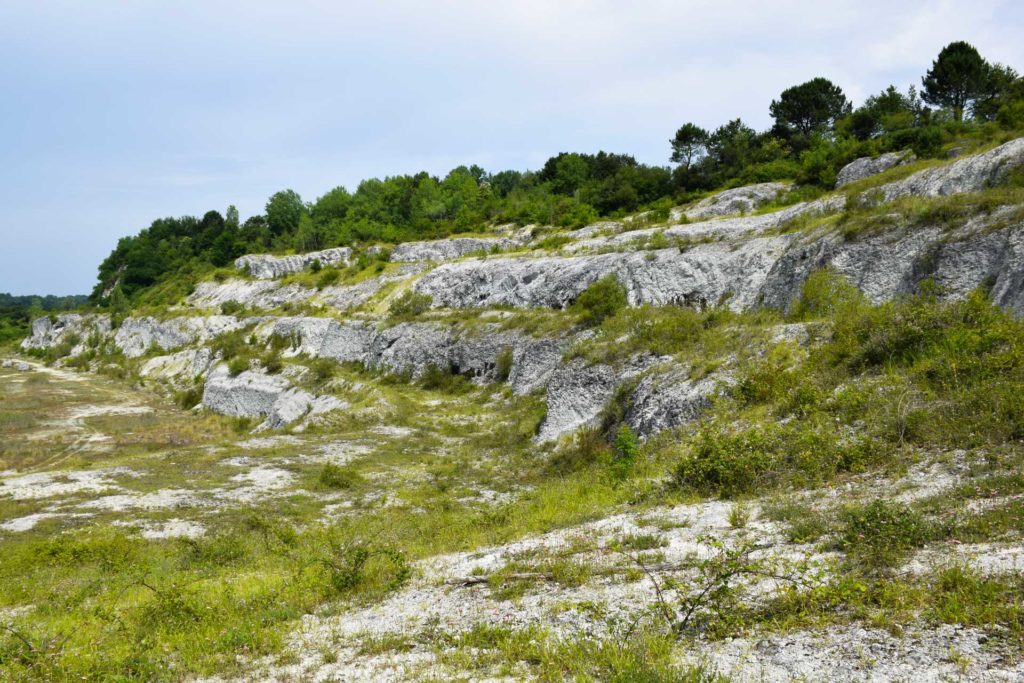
pixel 503 364
pixel 600 300
pixel 589 448
pixel 826 294
pixel 728 463
pixel 273 363
pixel 323 368
pixel 337 477
pixel 410 304
pixel 881 533
pixel 316 266
pixel 189 398
pixel 443 379
pixel 231 307
pixel 238 365
pixel 328 276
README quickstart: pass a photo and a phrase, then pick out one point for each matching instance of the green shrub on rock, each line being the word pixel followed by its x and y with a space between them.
pixel 600 300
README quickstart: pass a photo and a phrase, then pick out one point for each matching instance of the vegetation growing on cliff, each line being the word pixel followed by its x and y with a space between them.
pixel 816 132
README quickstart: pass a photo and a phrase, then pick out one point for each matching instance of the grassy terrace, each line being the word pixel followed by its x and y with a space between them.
pixel 101 587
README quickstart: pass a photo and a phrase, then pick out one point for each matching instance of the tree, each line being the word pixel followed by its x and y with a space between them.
pixel 1002 86
pixel 885 112
pixel 729 148
pixel 284 209
pixel 333 205
pixel 810 107
pixel 231 219
pixel 958 77
pixel 689 145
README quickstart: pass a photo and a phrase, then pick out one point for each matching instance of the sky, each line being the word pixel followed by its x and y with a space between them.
pixel 115 113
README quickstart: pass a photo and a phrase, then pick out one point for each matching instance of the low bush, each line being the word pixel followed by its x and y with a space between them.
pixel 337 477
pixel 600 300
pixel 719 461
pixel 410 304
pixel 882 533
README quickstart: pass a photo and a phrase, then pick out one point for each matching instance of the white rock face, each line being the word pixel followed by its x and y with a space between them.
pixel 735 227
pixel 706 273
pixel 136 335
pixel 180 367
pixel 449 249
pixel 577 393
pixel 265 294
pixel 969 174
pixel 253 394
pixel 865 167
pixel 736 200
pixel 267 267
pixel 665 400
pixel 47 332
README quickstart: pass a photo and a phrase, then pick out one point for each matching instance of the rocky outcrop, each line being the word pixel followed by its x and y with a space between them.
pixel 969 174
pixel 267 267
pixel 723 228
pixel 736 200
pixel 865 167
pixel 709 273
pixel 450 249
pixel 253 394
pixel 267 294
pixel 578 393
pixel 410 348
pixel 136 336
pixel 15 364
pixel 666 400
pixel 48 332
pixel 894 262
pixel 179 368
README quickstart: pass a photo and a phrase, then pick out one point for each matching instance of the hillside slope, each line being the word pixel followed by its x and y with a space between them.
pixel 765 439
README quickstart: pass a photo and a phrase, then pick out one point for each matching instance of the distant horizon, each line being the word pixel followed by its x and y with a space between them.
pixel 120 114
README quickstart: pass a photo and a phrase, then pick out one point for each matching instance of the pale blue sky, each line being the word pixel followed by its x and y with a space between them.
pixel 115 113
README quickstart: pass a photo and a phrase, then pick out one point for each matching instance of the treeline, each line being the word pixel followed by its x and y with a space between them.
pixel 16 312
pixel 816 131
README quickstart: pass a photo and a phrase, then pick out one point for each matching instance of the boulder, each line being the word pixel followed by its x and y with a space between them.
pixel 15 364
pixel 578 393
pixel 858 169
pixel 736 200
pixel 181 367
pixel 666 400
pixel 254 394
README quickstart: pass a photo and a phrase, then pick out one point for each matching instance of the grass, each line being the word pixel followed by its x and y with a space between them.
pixel 876 389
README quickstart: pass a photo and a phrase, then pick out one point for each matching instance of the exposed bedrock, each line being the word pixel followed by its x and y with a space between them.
pixel 48 332
pixel 865 167
pixel 707 273
pixel 265 266
pixel 253 394
pixel 969 174
pixel 413 347
pixel 135 336
pixel 449 249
